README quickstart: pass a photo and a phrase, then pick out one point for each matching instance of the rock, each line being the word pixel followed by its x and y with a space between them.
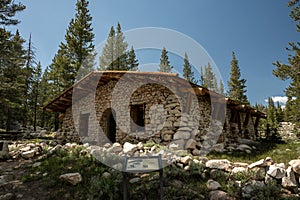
pixel 115 148
pixel 134 180
pixel 218 195
pixel 182 135
pixel 177 145
pixel 4 151
pixel 37 164
pixel 238 170
pixel 106 175
pixel 222 164
pixel 190 144
pixel 28 154
pixel 250 186
pixel 289 181
pixel 107 145
pixel 7 196
pixel 213 185
pixel 276 172
pixel 185 160
pixel 73 178
pixel 243 147
pixel 260 163
pixel 129 148
pixel 218 148
pixel 295 165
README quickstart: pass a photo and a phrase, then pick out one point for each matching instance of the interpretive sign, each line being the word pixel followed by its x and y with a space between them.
pixel 142 165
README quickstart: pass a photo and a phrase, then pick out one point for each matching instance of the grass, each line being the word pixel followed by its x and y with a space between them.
pixel 279 152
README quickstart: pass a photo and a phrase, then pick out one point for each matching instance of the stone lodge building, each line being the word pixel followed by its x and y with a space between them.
pixel 120 106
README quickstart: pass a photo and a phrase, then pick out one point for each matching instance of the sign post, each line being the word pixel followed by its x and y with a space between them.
pixel 142 165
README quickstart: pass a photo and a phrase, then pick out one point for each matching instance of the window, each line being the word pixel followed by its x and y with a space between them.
pixel 84 124
pixel 137 114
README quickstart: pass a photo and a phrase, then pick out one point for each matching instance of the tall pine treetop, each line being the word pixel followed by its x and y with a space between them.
pixel 236 84
pixel 188 74
pixel 164 65
pixel 8 10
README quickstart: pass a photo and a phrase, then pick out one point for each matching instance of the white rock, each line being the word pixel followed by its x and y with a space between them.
pixel 238 170
pixel 222 164
pixel 73 178
pixel 185 160
pixel 213 185
pixel 295 165
pixel 260 163
pixel 129 148
pixel 115 148
pixel 289 181
pixel 276 171
pixel 28 154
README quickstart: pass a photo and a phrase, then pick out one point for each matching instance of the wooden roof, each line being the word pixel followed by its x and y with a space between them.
pixel 84 86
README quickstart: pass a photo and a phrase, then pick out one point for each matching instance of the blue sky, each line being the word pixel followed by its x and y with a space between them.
pixel 258 31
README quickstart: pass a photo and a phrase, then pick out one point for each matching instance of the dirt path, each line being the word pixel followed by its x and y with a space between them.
pixel 12 186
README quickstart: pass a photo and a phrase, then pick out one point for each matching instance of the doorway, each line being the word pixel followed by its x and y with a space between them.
pixel 110 124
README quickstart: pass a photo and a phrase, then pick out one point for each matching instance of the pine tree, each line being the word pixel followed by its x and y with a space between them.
pixel 236 85
pixel 12 82
pixel 222 89
pixel 121 45
pixel 291 71
pixel 107 58
pixel 36 81
pixel 132 62
pixel 8 10
pixel 272 123
pixel 164 65
pixel 208 77
pixel 78 44
pixel 188 74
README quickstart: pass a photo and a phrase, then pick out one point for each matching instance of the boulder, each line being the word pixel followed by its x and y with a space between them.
pixel 190 144
pixel 243 147
pixel 250 187
pixel 295 165
pixel 222 164
pixel 185 160
pixel 129 148
pixel 260 163
pixel 28 154
pixel 115 148
pixel 73 178
pixel 276 171
pixel 4 151
pixel 289 181
pixel 218 195
pixel 213 185
pixel 182 135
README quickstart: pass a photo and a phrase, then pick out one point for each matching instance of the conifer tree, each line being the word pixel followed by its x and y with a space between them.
pixel 121 45
pixel 291 71
pixel 34 106
pixel 272 123
pixel 132 62
pixel 236 84
pixel 222 89
pixel 8 10
pixel 107 58
pixel 164 65
pixel 208 77
pixel 188 74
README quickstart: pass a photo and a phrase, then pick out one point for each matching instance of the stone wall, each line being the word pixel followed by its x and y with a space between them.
pixel 169 116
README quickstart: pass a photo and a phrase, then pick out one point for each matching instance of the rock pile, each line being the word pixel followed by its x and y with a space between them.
pixel 259 173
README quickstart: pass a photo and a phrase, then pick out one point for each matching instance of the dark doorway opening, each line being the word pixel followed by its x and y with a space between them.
pixel 109 125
